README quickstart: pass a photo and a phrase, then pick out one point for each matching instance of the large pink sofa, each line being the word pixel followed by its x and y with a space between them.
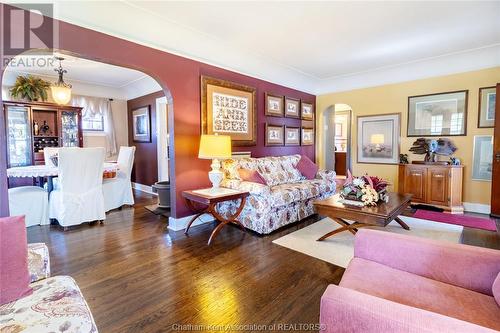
pixel 399 283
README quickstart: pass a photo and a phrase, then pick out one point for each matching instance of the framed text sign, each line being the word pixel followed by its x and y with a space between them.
pixel 229 108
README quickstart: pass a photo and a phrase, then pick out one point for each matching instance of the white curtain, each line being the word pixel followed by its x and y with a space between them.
pixel 93 106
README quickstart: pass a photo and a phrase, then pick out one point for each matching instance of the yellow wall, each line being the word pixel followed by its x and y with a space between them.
pixel 394 98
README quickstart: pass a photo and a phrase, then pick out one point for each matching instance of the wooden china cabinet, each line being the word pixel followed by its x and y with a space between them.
pixel 32 126
pixel 433 184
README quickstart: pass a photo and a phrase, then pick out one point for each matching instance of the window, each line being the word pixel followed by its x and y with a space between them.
pixel 93 122
pixel 456 122
pixel 437 124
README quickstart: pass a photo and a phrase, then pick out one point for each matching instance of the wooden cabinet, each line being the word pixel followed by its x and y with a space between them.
pixel 436 185
pixel 33 126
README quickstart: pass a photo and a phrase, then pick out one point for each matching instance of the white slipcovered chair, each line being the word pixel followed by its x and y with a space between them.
pixel 31 201
pixel 118 191
pixel 79 197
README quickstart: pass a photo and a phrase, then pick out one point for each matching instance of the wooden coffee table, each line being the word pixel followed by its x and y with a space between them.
pixel 380 215
pixel 209 203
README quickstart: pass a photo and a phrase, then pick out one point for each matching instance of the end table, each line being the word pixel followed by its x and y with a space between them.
pixel 210 200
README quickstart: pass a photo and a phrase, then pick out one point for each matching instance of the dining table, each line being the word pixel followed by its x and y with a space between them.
pixel 50 172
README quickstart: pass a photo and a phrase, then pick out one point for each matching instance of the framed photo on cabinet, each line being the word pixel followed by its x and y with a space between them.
pixel 274 105
pixel 378 139
pixel 141 122
pixel 229 108
pixel 292 107
pixel 307 136
pixel 487 101
pixel 443 114
pixel 292 136
pixel 307 111
pixel 275 135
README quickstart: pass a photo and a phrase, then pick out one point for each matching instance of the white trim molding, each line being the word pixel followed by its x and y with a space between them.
pixel 477 208
pixel 181 223
pixel 143 188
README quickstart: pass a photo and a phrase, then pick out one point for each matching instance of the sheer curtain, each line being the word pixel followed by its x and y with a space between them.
pixel 93 106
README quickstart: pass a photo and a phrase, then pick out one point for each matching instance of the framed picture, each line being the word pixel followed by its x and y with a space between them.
pixel 338 130
pixel 141 122
pixel 307 111
pixel 229 108
pixel 292 107
pixel 307 136
pixel 274 105
pixel 275 135
pixel 378 139
pixel 487 101
pixel 482 157
pixel 292 136
pixel 443 114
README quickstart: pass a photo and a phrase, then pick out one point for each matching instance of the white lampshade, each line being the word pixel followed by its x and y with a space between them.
pixel 215 146
pixel 61 94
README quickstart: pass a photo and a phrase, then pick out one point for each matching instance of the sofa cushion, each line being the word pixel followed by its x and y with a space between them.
pixel 286 194
pixel 251 176
pixel 496 289
pixel 307 167
pixel 14 275
pixel 230 169
pixel 413 290
pixel 56 305
pixel 279 170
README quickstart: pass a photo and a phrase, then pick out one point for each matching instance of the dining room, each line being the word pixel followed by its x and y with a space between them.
pixel 81 135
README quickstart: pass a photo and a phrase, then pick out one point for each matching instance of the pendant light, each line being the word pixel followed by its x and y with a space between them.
pixel 61 91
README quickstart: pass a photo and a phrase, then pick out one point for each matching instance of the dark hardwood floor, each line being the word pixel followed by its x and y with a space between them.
pixel 138 276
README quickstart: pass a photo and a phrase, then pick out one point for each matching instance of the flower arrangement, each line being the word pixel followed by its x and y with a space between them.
pixel 364 191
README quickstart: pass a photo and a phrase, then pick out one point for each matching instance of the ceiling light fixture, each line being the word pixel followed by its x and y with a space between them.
pixel 61 91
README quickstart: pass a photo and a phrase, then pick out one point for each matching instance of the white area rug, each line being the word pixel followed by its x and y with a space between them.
pixel 339 249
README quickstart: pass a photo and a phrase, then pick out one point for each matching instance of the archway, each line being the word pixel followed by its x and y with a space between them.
pixel 336 145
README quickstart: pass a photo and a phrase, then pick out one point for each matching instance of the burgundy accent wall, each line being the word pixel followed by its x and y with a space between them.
pixel 180 79
pixel 145 169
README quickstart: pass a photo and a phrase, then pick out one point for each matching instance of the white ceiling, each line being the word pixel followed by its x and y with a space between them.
pixel 82 73
pixel 313 46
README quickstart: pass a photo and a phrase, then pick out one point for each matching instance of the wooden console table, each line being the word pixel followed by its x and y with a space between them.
pixel 209 201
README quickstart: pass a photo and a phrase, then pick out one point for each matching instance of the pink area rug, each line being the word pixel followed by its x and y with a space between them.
pixel 459 219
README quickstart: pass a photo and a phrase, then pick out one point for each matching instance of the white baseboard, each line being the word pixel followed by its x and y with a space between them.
pixel 181 223
pixel 477 208
pixel 143 188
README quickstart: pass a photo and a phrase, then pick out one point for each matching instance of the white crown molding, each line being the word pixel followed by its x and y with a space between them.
pixel 470 60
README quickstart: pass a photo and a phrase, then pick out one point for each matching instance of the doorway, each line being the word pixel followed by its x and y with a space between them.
pixel 337 145
pixel 162 138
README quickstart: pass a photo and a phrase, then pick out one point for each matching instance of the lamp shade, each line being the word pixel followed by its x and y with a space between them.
pixel 377 139
pixel 61 94
pixel 215 146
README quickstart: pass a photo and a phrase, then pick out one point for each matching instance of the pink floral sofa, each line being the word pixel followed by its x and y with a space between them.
pixel 56 305
pixel 286 198
pixel 400 283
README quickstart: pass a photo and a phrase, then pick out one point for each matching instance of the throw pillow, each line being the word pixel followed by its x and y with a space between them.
pixel 251 176
pixel 307 167
pixel 14 260
pixel 496 289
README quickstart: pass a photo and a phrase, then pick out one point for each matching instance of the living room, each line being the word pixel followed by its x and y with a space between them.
pixel 254 143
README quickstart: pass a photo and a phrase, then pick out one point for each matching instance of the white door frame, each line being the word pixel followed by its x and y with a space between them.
pixel 162 138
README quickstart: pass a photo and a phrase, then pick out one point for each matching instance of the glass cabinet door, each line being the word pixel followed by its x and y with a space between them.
pixel 69 134
pixel 18 136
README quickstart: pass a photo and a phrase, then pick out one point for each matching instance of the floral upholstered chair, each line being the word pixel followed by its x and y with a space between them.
pixel 56 305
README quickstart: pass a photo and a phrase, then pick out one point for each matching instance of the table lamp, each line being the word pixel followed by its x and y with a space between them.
pixel 377 140
pixel 215 147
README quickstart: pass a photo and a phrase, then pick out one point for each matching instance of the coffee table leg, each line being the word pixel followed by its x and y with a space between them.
pixel 339 230
pixel 344 224
pixel 401 223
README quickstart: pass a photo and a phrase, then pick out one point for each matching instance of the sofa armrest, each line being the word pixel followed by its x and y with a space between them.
pixel 326 175
pixel 38 261
pixel 253 188
pixel 465 266
pixel 347 310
